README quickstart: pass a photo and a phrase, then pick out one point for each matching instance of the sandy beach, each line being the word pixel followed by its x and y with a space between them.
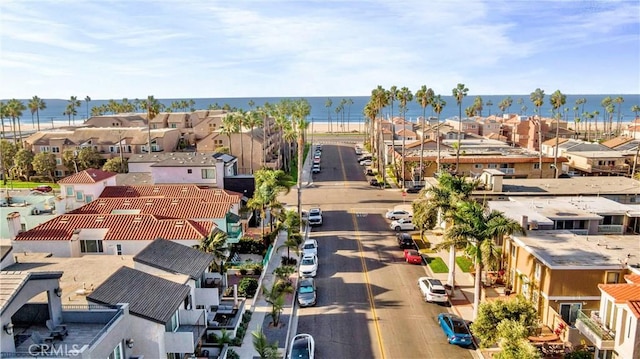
pixel 315 127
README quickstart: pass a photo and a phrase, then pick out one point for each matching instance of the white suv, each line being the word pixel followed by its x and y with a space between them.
pixel 315 217
pixel 310 246
pixel 308 266
pixel 403 224
pixel 432 290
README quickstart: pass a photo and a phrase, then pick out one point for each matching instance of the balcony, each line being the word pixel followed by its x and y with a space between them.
pixel 190 331
pixel 590 325
pixel 609 169
pixel 579 232
pixel 610 229
pixel 508 171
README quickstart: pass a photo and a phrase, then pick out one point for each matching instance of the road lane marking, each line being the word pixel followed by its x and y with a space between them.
pixel 368 286
pixel 344 172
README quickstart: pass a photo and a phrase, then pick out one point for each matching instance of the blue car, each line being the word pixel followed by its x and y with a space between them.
pixel 456 330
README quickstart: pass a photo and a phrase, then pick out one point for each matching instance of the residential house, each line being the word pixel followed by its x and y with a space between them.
pixel 583 215
pixel 119 120
pixel 163 257
pixel 560 271
pixel 162 322
pixel 72 235
pixel 632 130
pixel 110 142
pixel 83 187
pixel 23 210
pixel 92 331
pixel 614 329
pixel 628 146
pixel 199 168
pixel 469 125
pixel 596 163
pixel 478 154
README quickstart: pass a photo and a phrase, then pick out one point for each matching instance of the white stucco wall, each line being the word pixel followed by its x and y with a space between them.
pixel 162 175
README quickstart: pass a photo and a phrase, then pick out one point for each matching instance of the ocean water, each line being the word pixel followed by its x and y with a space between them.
pixel 354 112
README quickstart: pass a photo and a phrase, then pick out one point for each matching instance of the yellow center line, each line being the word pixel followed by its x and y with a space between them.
pixel 368 286
pixel 344 172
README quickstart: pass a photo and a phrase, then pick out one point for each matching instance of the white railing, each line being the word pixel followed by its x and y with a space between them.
pixel 610 228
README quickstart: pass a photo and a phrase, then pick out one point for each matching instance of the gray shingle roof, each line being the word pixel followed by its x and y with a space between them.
pixel 174 257
pixel 149 297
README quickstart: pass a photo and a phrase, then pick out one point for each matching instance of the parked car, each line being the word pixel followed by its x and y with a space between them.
pixel 364 157
pixel 374 182
pixel 302 347
pixel 316 161
pixel 42 188
pixel 315 168
pixel 397 214
pixel 308 266
pixel 358 151
pixel 405 241
pixel 368 172
pixel 456 329
pixel 310 246
pixel 307 292
pixel 366 163
pixel 433 290
pixel 317 155
pixel 415 189
pixel 403 224
pixel 315 217
pixel 412 256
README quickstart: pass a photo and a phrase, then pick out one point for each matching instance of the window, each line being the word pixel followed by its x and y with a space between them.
pixel 538 272
pixel 536 166
pixel 477 165
pixel 492 165
pixel 58 173
pixel 612 277
pixel 55 149
pixel 189 171
pixel 173 125
pixel 217 142
pixel 514 251
pixel 91 246
pixel 58 162
pixel 114 149
pixel 69 191
pixel 88 198
pixel 117 352
pixel 172 324
pixel 569 312
pixel 208 174
pixel 119 249
pixel 79 196
pixel 45 149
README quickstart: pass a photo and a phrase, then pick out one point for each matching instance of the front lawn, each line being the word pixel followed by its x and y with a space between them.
pixel 15 184
pixel 437 265
pixel 464 263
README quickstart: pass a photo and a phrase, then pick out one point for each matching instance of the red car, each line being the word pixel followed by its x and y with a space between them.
pixel 412 256
pixel 42 188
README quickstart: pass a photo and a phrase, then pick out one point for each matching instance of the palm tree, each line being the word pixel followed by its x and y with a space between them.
pixel 35 105
pixel 14 110
pixel 438 105
pixel 153 108
pixel 489 103
pixel 595 115
pixel 478 106
pixel 3 114
pixel 241 119
pixel 405 96
pixel 261 344
pixel 348 102
pixel 619 101
pixel 229 127
pixel 328 105
pixel 74 103
pixel 459 92
pixel 87 100
pixel 605 103
pixel 215 244
pixel 635 109
pixel 558 99
pixel 481 231
pixel 537 97
pixel 380 99
pixel 425 98
pixel 301 110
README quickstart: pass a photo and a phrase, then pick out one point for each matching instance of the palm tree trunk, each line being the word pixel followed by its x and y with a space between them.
pixel 252 140
pixel 300 162
pixel 38 119
pixel 452 267
pixel 19 132
pixel 13 128
pixel 476 288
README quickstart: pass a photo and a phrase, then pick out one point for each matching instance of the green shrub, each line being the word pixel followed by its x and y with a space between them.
pixel 248 286
pixel 231 354
pixel 288 261
pixel 243 271
pixel 248 245
pixel 257 268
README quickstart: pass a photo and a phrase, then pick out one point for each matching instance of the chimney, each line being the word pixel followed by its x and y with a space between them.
pixel 13 220
pixel 525 222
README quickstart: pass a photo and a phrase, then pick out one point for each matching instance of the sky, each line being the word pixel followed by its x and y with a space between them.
pixel 198 49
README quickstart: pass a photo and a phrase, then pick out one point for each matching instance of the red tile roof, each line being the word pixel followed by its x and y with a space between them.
pixel 87 176
pixel 162 208
pixel 172 191
pixel 119 227
pixel 634 305
pixel 633 278
pixel 622 292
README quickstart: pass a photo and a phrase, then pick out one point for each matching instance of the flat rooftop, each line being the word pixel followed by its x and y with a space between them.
pixel 565 250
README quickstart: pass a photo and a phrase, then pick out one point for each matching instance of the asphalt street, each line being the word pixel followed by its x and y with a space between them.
pixel 369 304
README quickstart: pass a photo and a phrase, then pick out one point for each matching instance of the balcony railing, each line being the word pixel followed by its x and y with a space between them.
pixel 590 325
pixel 618 168
pixel 579 232
pixel 610 228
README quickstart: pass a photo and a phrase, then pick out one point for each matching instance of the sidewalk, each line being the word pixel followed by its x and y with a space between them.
pixel 261 308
